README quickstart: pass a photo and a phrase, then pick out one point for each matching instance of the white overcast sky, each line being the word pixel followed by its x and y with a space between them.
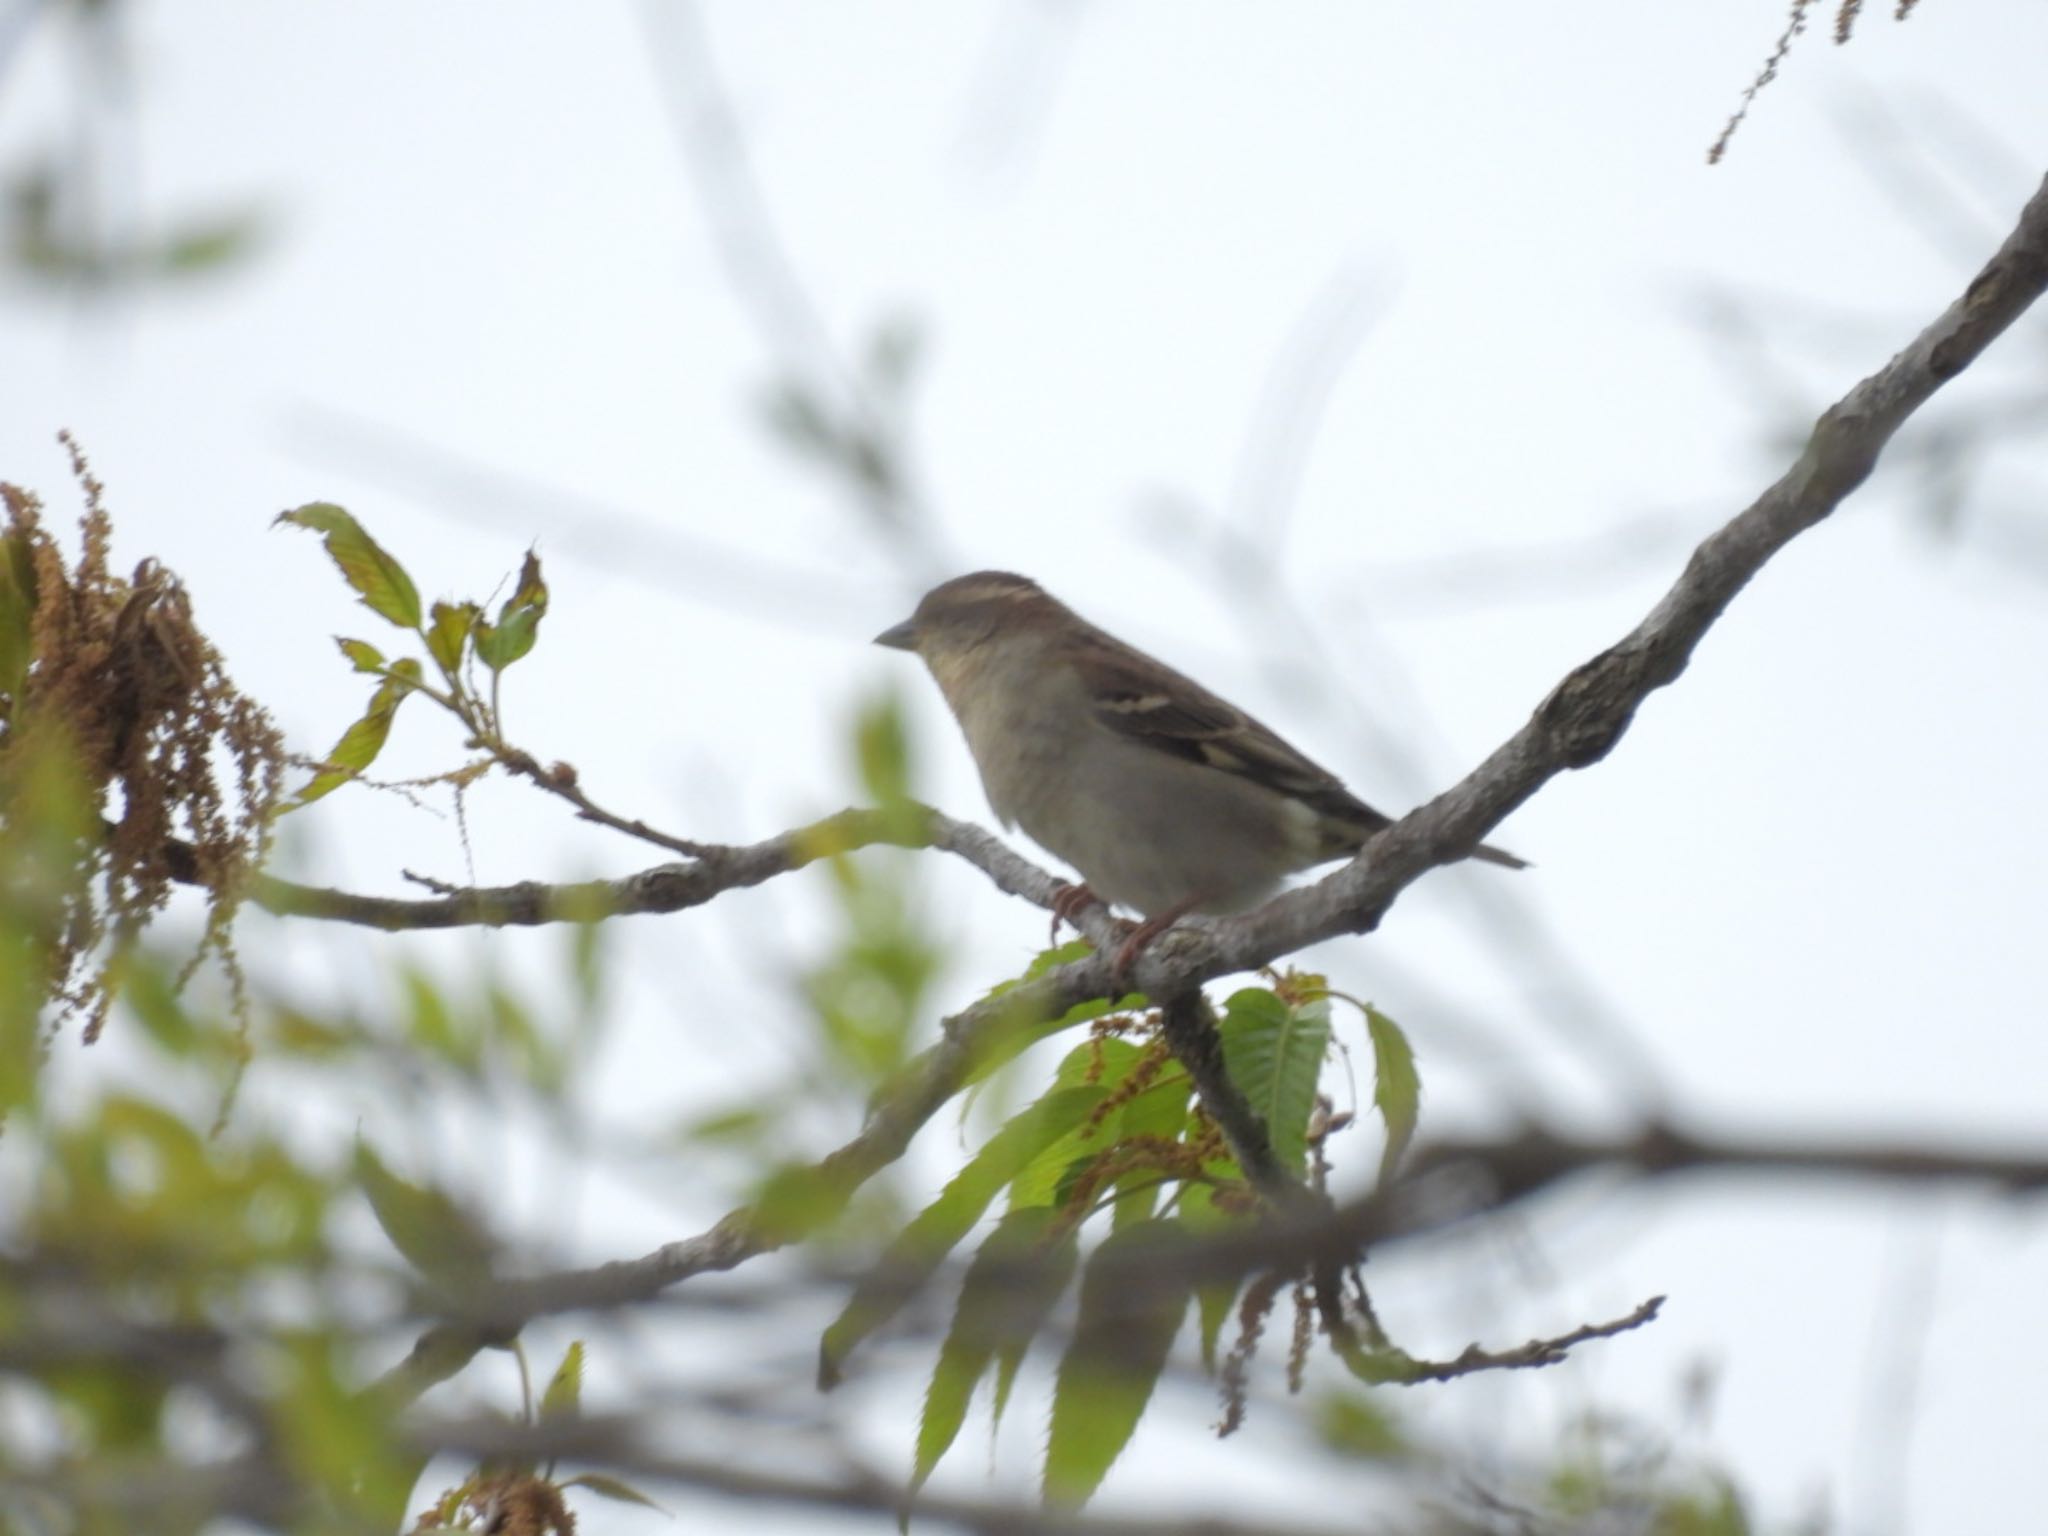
pixel 1808 882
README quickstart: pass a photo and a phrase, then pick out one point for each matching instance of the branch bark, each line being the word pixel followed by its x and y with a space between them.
pixel 710 872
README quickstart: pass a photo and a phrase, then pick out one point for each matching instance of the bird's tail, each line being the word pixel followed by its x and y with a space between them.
pixel 1493 855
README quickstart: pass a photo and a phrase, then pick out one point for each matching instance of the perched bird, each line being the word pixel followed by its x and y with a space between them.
pixel 1167 799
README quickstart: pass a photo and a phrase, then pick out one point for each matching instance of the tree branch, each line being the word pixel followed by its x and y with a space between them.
pixel 713 870
pixel 1535 1354
pixel 1490 1175
pixel 1188 1024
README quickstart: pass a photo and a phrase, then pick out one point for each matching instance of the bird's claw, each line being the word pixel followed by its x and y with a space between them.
pixel 1068 902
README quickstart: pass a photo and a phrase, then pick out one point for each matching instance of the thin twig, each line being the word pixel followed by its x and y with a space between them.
pixel 1536 1353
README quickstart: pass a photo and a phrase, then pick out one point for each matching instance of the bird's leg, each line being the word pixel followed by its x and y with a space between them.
pixel 1139 937
pixel 1067 904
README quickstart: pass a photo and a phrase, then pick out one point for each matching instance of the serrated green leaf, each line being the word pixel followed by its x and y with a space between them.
pixel 365 656
pixel 1133 1299
pixel 1039 1181
pixel 1396 1087
pixel 448 633
pixel 362 741
pixel 1011 1287
pixel 500 644
pixel 1009 1360
pixel 565 1388
pixel 1004 1041
pixel 379 580
pixel 918 1250
pixel 1213 1302
pixel 611 1488
pixel 433 1233
pixel 1274 1053
pixel 1162 1111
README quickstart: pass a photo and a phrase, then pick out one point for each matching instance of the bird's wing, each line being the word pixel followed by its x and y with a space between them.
pixel 1149 703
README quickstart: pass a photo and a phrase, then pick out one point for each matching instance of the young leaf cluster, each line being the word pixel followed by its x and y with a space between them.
pixel 467 651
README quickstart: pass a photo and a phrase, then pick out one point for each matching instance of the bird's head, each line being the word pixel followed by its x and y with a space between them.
pixel 959 617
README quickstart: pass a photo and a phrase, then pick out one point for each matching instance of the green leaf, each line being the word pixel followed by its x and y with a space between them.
pixel 433 1233
pixel 1213 1302
pixel 379 580
pixel 436 1029
pixel 795 1200
pixel 883 750
pixel 1396 1087
pixel 1162 1111
pixel 361 742
pixel 1011 1287
pixel 1356 1424
pixel 518 625
pixel 1133 1298
pixel 367 657
pixel 1039 1181
pixel 744 1125
pixel 153 998
pixel 518 1043
pixel 333 1444
pixel 301 1034
pixel 203 244
pixel 565 1387
pixel 1274 1053
pixel 610 1488
pixel 1007 1039
pixel 449 633
pixel 918 1250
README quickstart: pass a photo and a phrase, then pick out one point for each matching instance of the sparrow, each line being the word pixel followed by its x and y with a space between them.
pixel 1166 798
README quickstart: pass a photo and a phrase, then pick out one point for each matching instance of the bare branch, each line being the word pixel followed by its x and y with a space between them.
pixel 713 870
pixel 560 779
pixel 1535 1354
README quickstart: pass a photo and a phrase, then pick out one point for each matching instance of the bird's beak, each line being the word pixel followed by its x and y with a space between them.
pixel 899 637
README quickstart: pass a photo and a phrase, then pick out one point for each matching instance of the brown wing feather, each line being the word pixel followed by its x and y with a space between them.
pixel 1149 702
